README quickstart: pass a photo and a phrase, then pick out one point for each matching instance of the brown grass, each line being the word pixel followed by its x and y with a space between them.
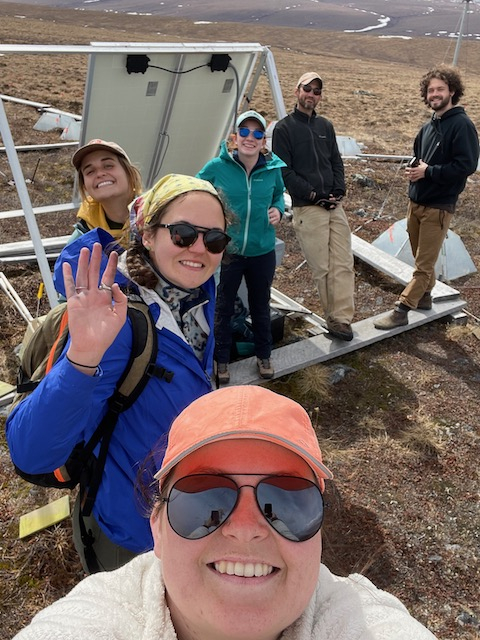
pixel 401 429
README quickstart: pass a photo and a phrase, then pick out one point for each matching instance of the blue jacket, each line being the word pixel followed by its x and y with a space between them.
pixel 67 406
pixel 249 198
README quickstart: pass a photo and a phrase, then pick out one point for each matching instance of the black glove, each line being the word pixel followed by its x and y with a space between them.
pixel 326 203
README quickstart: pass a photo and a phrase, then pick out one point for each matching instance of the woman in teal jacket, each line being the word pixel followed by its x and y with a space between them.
pixel 250 180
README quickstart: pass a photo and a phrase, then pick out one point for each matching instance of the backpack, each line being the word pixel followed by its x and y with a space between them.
pixel 82 467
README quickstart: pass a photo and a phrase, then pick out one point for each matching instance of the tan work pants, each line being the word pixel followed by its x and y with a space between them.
pixel 427 229
pixel 326 243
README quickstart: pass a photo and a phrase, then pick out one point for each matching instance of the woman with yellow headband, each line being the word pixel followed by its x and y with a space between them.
pixel 177 241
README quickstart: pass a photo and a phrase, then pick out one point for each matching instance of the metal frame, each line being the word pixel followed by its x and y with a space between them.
pixel 258 51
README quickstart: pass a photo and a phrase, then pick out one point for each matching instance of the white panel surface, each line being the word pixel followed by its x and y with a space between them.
pixel 173 117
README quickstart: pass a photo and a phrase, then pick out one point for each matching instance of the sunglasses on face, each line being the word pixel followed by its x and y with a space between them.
pixel 257 134
pixel 184 234
pixel 197 505
pixel 308 88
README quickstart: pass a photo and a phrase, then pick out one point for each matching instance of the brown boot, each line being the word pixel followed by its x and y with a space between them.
pixel 340 330
pixel 223 375
pixel 265 369
pixel 396 318
pixel 425 301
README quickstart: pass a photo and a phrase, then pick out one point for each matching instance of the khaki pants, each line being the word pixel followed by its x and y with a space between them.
pixel 109 555
pixel 326 243
pixel 427 229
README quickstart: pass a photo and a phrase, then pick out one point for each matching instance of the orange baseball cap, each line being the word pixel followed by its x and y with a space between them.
pixel 244 412
pixel 97 145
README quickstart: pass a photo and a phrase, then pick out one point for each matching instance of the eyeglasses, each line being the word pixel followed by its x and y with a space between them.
pixel 257 134
pixel 197 505
pixel 308 88
pixel 184 234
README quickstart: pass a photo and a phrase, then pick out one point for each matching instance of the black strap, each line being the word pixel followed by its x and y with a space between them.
pixel 88 540
pixel 130 385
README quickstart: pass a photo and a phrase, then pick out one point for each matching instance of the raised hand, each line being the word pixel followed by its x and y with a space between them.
pixel 95 313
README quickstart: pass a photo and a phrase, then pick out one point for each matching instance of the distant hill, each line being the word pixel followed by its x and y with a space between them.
pixel 394 18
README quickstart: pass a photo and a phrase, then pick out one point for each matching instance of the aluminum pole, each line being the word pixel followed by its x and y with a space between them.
pixel 460 34
pixel 22 191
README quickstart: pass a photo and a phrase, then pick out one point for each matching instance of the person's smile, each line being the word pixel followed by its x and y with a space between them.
pixel 243 569
pixel 104 183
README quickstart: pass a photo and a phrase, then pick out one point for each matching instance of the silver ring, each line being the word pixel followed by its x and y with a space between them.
pixel 77 289
pixel 105 287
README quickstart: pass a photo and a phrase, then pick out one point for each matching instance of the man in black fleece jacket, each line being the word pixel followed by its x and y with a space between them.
pixel 315 179
pixel 445 153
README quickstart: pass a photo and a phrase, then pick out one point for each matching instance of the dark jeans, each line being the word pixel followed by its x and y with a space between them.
pixel 258 272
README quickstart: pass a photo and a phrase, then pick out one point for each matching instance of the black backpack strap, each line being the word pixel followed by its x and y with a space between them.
pixel 137 373
pixel 88 540
pixel 140 368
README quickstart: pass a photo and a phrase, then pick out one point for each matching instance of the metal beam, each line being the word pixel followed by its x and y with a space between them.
pixel 322 348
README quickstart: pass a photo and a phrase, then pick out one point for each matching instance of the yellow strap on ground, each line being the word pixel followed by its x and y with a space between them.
pixel 44 517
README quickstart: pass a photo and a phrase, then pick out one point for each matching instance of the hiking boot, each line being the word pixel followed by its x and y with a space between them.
pixel 223 375
pixel 340 330
pixel 425 301
pixel 396 318
pixel 265 369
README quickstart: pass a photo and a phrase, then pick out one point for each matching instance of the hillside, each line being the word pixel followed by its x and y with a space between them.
pixel 400 426
pixel 402 18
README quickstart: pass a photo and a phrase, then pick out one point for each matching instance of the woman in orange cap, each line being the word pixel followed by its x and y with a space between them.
pixel 237 529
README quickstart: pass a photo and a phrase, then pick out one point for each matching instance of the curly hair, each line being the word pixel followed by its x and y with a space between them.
pixel 449 75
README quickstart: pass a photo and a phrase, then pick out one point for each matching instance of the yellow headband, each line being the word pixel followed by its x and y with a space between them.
pixel 166 189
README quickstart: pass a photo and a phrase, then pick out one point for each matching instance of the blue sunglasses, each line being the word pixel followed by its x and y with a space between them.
pixel 257 134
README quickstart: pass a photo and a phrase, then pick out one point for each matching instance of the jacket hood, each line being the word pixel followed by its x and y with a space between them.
pixel 93 213
pixel 451 113
pixel 71 253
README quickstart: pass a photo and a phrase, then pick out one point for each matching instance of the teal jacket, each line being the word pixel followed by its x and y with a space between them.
pixel 249 198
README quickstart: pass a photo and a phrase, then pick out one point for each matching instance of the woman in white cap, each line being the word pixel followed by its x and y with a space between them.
pixel 251 180
pixel 107 182
pixel 178 237
pixel 237 529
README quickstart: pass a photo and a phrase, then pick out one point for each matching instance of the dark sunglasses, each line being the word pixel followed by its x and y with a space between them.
pixel 257 134
pixel 198 505
pixel 308 88
pixel 184 234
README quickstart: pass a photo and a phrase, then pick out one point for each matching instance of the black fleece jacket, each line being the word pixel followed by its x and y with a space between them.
pixel 449 145
pixel 308 146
